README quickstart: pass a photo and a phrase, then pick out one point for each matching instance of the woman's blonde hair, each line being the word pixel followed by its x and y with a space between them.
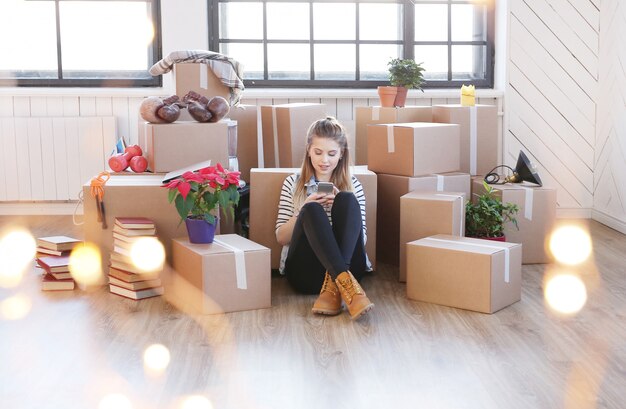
pixel 330 128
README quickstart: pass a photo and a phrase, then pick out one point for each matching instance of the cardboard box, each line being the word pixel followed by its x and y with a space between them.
pixel 413 149
pixel 264 196
pixel 536 217
pixel 130 196
pixel 200 78
pixel 383 115
pixel 284 132
pixel 230 274
pixel 247 138
pixel 179 144
pixel 472 274
pixel 390 189
pixel 424 214
pixel 478 134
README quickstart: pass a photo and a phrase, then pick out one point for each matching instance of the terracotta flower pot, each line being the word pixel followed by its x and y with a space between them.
pixel 200 231
pixel 501 238
pixel 387 95
pixel 400 100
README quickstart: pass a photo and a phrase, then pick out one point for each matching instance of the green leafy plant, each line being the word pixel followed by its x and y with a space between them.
pixel 197 194
pixel 406 73
pixel 487 216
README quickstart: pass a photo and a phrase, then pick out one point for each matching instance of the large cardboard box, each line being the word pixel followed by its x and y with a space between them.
pixel 230 274
pixel 200 78
pixel 384 115
pixel 130 196
pixel 413 149
pixel 247 138
pixel 264 196
pixel 424 214
pixel 472 274
pixel 284 132
pixel 391 188
pixel 478 134
pixel 180 144
pixel 536 217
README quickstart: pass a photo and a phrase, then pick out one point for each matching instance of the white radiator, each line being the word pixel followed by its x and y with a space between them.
pixel 50 158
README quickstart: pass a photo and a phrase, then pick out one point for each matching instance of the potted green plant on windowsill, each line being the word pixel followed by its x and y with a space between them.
pixel 485 218
pixel 405 74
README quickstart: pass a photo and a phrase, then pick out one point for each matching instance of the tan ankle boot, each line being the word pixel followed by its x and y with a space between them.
pixel 353 295
pixel 329 300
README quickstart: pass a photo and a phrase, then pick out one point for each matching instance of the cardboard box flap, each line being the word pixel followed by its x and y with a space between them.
pixel 231 240
pixel 133 180
pixel 415 125
pixel 443 196
pixel 466 244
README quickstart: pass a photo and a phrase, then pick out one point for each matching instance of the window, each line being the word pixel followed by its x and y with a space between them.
pixel 341 43
pixel 79 43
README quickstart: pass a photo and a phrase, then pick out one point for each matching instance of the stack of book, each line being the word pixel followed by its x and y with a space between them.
pixel 57 273
pixel 125 278
pixel 56 245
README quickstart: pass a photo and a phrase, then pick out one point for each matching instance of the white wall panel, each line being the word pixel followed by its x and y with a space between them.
pixel 23 163
pixel 9 158
pixel 47 159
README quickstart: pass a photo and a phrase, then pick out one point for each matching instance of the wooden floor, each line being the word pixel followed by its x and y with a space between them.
pixel 73 348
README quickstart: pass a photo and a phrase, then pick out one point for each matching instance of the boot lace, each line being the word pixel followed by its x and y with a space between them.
pixel 351 288
pixel 329 285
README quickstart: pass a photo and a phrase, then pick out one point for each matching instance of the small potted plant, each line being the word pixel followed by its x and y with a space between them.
pixel 405 74
pixel 197 196
pixel 485 218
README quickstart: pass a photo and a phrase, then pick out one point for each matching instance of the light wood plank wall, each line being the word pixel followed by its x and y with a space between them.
pixel 552 88
pixel 609 193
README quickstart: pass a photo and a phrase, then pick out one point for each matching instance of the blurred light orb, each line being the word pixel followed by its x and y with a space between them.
pixel 17 251
pixel 15 307
pixel 115 401
pixel 570 245
pixel 85 264
pixel 196 402
pixel 566 293
pixel 156 357
pixel 148 254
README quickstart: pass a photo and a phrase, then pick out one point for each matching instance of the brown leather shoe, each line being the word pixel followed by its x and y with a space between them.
pixel 329 301
pixel 353 295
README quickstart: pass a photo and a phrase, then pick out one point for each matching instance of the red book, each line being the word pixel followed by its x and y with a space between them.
pixel 136 295
pixel 134 222
pixel 49 283
pixel 54 264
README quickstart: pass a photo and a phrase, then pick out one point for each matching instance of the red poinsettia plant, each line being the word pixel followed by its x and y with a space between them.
pixel 197 194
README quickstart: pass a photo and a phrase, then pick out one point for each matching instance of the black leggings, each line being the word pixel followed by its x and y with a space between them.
pixel 317 247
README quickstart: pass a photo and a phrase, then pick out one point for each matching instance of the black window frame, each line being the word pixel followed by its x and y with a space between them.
pixel 109 79
pixel 408 43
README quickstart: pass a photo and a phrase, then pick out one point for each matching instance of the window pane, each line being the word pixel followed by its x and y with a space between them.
pixel 435 59
pixel 431 22
pixel 241 21
pixel 92 33
pixel 468 23
pixel 250 55
pixel 373 60
pixel 335 61
pixel 370 16
pixel 288 21
pixel 289 61
pixel 23 48
pixel 468 62
pixel 334 21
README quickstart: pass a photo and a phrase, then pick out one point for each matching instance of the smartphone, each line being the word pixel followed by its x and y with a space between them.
pixel 325 188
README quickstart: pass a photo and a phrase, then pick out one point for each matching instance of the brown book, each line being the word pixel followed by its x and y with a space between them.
pixel 135 285
pixel 58 243
pixel 129 276
pixel 61 276
pixel 49 283
pixel 54 264
pixel 126 245
pixel 134 232
pixel 129 239
pixel 141 223
pixel 121 258
pixel 136 295
pixel 42 251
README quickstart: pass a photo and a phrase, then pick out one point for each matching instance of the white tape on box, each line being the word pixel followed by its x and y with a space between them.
pixel 461 212
pixel 204 80
pixel 440 182
pixel 473 139
pixel 391 145
pixel 375 113
pixel 240 264
pixel 507 253
pixel 528 202
pixel 275 131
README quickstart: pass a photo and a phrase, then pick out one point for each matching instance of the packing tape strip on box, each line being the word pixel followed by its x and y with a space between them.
pixel 240 264
pixel 461 212
pixel 204 80
pixel 507 252
pixel 473 139
pixel 440 183
pixel 528 202
pixel 391 143
pixel 375 113
pixel 275 132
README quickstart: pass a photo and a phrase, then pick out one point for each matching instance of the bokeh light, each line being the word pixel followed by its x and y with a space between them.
pixel 115 401
pixel 17 251
pixel 15 307
pixel 196 402
pixel 570 245
pixel 148 254
pixel 85 264
pixel 565 293
pixel 156 358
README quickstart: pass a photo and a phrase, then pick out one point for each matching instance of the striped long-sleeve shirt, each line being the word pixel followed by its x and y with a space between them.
pixel 286 208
